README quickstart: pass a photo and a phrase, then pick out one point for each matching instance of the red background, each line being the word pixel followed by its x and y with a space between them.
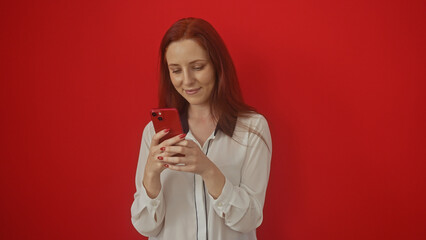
pixel 342 84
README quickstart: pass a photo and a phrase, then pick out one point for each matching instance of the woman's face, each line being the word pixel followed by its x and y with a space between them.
pixel 191 71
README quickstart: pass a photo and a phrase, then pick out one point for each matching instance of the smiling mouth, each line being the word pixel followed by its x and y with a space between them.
pixel 192 91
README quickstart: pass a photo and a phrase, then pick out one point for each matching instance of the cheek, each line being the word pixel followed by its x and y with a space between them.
pixel 175 82
pixel 207 78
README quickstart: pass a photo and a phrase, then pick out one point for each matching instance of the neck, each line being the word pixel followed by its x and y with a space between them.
pixel 199 111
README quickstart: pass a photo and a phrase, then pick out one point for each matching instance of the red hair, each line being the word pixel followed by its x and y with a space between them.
pixel 226 100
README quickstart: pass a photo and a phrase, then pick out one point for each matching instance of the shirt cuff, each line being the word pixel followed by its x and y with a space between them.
pixel 221 205
pixel 152 204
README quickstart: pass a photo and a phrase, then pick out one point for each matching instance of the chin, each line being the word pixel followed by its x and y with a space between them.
pixel 195 102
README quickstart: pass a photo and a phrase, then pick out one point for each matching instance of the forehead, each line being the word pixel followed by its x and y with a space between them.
pixel 185 51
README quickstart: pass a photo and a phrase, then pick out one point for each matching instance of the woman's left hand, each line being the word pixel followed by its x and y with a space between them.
pixel 190 158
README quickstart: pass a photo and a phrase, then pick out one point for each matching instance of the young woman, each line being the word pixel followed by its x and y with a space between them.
pixel 215 188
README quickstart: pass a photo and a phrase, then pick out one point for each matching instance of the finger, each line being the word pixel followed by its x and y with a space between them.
pixel 157 137
pixel 155 151
pixel 162 158
pixel 173 140
pixel 159 157
pixel 172 160
pixel 187 143
pixel 171 150
pixel 181 168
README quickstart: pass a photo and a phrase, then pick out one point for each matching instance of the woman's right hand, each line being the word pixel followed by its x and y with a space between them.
pixel 154 166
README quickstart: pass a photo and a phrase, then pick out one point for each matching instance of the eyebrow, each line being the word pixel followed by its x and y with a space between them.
pixel 202 60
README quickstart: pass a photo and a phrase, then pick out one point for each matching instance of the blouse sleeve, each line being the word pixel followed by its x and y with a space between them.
pixel 147 214
pixel 241 206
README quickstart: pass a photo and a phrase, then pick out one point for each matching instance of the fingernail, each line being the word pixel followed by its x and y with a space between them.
pixel 163 148
pixel 167 130
pixel 160 158
pixel 166 165
pixel 182 135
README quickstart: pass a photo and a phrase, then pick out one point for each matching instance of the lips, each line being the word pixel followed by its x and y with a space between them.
pixel 192 91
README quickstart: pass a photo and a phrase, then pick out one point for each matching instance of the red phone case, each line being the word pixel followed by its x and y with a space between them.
pixel 163 118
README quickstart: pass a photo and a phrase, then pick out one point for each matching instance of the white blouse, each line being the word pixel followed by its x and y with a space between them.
pixel 185 210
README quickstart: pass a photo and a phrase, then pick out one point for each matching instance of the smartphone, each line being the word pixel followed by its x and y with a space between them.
pixel 164 118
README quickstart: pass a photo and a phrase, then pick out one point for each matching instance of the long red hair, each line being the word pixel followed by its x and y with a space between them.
pixel 226 100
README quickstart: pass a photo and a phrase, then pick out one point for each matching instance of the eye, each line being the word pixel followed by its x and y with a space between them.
pixel 175 71
pixel 198 68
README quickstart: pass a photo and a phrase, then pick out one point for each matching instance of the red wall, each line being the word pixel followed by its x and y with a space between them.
pixel 342 84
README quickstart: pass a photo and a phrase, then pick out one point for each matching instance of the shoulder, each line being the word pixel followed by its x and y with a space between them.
pixel 252 125
pixel 253 120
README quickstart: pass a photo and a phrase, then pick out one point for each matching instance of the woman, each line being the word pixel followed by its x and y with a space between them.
pixel 215 188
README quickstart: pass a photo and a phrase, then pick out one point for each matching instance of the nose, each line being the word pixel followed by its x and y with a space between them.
pixel 188 78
